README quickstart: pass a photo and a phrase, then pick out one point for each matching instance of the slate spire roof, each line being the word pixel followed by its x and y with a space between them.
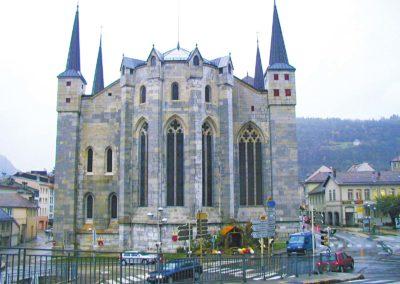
pixel 74 56
pixel 258 73
pixel 98 81
pixel 278 59
pixel 73 68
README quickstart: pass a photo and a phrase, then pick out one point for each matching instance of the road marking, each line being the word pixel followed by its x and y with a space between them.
pixel 359 280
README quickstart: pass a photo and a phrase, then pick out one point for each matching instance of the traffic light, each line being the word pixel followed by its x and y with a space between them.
pixel 325 238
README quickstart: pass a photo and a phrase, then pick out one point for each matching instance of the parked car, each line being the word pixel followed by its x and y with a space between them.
pixel 176 270
pixel 135 257
pixel 335 261
pixel 299 243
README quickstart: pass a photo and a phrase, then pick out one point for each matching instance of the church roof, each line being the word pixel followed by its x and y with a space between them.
pixel 176 54
pixel 278 59
pixel 73 67
pixel 248 79
pixel 98 81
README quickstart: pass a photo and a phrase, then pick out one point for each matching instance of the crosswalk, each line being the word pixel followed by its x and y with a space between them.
pixel 233 272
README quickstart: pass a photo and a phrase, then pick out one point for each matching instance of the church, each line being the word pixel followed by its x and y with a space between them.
pixel 175 134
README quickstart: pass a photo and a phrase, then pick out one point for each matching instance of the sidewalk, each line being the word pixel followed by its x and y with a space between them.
pixel 332 277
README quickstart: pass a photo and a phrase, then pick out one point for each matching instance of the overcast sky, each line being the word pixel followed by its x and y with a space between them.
pixel 346 53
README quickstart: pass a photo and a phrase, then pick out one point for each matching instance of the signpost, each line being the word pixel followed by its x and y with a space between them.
pixel 202 228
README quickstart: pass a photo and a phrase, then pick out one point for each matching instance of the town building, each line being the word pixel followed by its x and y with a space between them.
pixel 23 211
pixel 177 133
pixel 44 183
pixel 346 198
pixel 9 230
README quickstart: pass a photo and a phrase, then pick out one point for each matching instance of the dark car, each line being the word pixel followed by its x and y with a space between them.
pixel 176 270
pixel 335 261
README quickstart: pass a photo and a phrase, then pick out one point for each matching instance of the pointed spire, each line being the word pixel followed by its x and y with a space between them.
pixel 74 57
pixel 98 81
pixel 278 51
pixel 73 68
pixel 258 73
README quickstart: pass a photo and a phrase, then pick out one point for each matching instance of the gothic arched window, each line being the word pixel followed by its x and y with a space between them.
pixel 175 91
pixel 207 159
pixel 250 167
pixel 196 60
pixel 109 160
pixel 153 61
pixel 89 206
pixel 142 94
pixel 175 177
pixel 143 165
pixel 89 166
pixel 208 94
pixel 113 206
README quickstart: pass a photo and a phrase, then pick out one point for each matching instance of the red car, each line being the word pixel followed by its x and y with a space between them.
pixel 335 261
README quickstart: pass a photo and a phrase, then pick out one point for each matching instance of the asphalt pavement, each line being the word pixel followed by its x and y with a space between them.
pixel 372 258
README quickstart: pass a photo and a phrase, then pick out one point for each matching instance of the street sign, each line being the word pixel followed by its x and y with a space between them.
pixel 202 224
pixel 185 232
pixel 271 204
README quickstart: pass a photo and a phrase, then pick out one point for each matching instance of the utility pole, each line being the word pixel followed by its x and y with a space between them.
pixel 312 235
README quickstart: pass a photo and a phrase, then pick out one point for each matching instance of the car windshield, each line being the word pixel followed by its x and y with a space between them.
pixel 296 239
pixel 328 257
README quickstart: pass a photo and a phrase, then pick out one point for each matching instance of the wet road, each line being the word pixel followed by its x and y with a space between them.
pixel 371 259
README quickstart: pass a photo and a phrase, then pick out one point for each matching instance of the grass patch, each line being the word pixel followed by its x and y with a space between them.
pixel 279 245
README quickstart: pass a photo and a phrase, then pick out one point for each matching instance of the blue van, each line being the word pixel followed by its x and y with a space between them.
pixel 299 243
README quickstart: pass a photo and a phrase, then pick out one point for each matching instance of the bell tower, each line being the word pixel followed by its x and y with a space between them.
pixel 280 82
pixel 71 87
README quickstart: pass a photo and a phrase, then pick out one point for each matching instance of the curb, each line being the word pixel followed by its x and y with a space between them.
pixel 334 279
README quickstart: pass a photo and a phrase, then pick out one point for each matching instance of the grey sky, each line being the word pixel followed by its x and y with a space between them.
pixel 346 53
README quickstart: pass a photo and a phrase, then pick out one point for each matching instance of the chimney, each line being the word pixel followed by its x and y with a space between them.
pixel 379 174
pixel 334 172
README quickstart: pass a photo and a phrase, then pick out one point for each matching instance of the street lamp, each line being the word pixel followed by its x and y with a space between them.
pixel 160 220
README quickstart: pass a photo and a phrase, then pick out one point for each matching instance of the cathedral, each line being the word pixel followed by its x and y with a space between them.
pixel 175 134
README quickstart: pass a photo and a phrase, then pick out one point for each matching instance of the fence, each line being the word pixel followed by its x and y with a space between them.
pixel 56 266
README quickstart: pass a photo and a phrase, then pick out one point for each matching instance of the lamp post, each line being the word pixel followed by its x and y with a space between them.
pixel 160 220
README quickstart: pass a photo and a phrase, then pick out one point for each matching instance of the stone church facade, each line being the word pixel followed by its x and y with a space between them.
pixel 175 134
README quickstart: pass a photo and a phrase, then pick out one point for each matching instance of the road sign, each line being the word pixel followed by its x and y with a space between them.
pixel 185 232
pixel 271 204
pixel 202 224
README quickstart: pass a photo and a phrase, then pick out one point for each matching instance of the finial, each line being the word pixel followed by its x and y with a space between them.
pixel 247 74
pixel 229 54
pixel 101 33
pixel 196 44
pixel 153 45
pixel 257 37
pixel 77 6
pixel 178 46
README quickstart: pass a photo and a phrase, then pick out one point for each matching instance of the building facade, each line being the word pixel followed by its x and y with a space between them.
pixel 346 198
pixel 23 211
pixel 44 183
pixel 174 135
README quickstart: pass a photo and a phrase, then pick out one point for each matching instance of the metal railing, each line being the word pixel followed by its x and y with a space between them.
pixel 23 265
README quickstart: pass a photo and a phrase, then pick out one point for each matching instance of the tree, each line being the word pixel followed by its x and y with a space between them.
pixel 389 205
